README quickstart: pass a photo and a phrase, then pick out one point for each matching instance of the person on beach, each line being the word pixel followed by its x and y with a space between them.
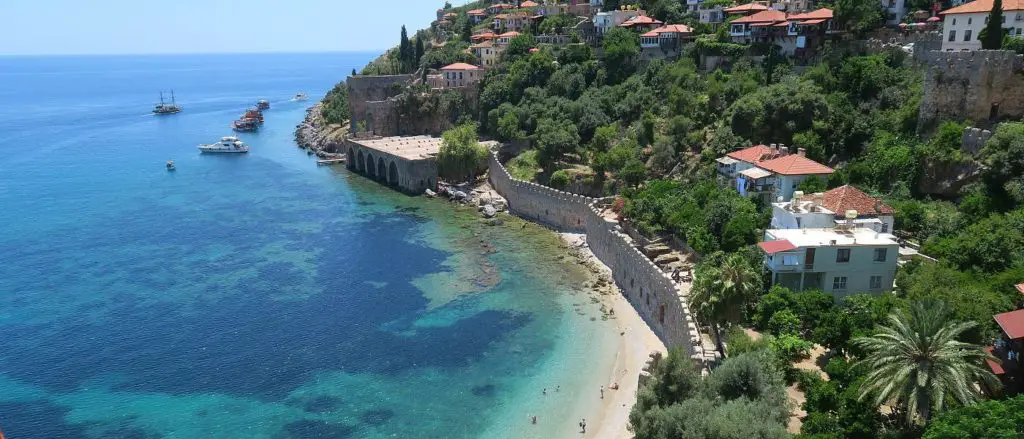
pixel 558 388
pixel 602 392
pixel 533 420
pixel 545 391
pixel 583 425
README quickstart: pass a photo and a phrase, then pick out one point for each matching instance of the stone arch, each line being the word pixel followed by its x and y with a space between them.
pixel 361 162
pixel 350 158
pixel 382 169
pixel 393 174
pixel 370 168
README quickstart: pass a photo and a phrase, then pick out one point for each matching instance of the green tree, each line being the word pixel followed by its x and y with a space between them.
pixel 859 16
pixel 335 104
pixel 621 53
pixel 722 293
pixel 812 185
pixel 406 52
pixel 553 139
pixel 633 172
pixel 461 155
pixel 990 420
pixel 918 362
pixel 992 34
pixel 419 48
pixel 508 127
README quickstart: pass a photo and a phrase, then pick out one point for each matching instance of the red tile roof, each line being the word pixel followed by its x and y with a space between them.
pixel 1012 323
pixel 779 245
pixel 794 164
pixel 847 197
pixel 476 12
pixel 767 16
pixel 528 4
pixel 994 363
pixel 749 7
pixel 461 66
pixel 823 13
pixel 640 20
pixel 484 36
pixel 984 6
pixel 751 155
pixel 509 34
pixel 668 29
pixel 451 14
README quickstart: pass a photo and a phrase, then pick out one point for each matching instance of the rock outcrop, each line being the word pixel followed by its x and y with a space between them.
pixel 315 134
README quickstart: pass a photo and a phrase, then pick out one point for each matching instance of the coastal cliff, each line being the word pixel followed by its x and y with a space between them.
pixel 317 135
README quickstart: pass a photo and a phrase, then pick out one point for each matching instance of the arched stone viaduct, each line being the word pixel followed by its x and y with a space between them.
pixel 406 163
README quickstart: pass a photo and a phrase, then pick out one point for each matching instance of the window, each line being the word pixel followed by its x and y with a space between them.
pixel 885 227
pixel 798 222
pixel 843 255
pixel 967 35
pixel 969 20
pixel 880 254
pixel 839 283
pixel 954 22
pixel 790 260
pixel 876 282
pixel 952 35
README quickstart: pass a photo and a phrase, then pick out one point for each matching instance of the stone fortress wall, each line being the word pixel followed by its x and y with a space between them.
pixel 981 86
pixel 652 292
pixel 369 101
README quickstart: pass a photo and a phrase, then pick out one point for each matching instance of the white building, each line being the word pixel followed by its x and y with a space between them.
pixel 894 11
pixel 608 20
pixel 461 74
pixel 768 171
pixel 839 261
pixel 829 209
pixel 962 24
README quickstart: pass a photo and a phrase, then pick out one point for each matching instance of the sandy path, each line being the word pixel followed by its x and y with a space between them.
pixel 636 343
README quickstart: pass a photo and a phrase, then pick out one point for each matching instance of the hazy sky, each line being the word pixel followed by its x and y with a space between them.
pixel 200 26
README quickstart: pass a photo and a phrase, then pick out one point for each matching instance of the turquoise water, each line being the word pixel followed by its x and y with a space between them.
pixel 254 296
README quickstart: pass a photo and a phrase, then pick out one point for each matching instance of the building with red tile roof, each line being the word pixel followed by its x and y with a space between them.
pixel 529 4
pixel 641 23
pixel 768 170
pixel 746 9
pixel 776 246
pixel 962 24
pixel 665 42
pixel 839 261
pixel 795 164
pixel 461 74
pixel 1006 361
pixel 829 209
pixel 798 35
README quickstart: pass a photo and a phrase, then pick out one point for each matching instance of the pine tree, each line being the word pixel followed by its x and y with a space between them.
pixel 992 38
pixel 419 48
pixel 405 51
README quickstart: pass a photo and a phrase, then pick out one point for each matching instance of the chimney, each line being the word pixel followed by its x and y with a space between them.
pixel 802 152
pixel 878 206
pixel 795 202
pixel 783 151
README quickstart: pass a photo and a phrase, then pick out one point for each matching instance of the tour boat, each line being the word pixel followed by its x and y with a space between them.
pixel 170 165
pixel 245 125
pixel 227 144
pixel 253 114
pixel 263 104
pixel 165 108
pixel 300 97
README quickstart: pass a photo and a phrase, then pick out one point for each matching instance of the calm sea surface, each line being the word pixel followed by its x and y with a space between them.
pixel 254 296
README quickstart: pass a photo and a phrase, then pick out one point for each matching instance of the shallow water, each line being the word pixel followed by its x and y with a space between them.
pixel 255 296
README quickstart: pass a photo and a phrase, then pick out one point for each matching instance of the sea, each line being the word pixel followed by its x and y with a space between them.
pixel 259 295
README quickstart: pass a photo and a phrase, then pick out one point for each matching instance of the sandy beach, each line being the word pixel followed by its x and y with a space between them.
pixel 636 343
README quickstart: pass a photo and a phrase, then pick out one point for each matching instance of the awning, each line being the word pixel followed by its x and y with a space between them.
pixel 755 173
pixel 726 160
pixel 861 221
pixel 779 245
pixel 1012 323
pixel 814 21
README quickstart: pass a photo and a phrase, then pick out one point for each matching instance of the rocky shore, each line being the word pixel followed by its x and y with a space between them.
pixel 317 136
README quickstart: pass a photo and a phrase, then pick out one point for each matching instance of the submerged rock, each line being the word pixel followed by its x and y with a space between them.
pixel 489 211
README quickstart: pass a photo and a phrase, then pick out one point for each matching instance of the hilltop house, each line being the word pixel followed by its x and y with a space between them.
pixel 665 42
pixel 963 24
pixel 486 52
pixel 606 21
pixel 797 35
pixel 894 11
pixel 461 74
pixel 477 16
pixel 709 14
pixel 829 209
pixel 746 9
pixel 768 171
pixel 511 22
pixel 502 41
pixel 840 260
pixel 641 23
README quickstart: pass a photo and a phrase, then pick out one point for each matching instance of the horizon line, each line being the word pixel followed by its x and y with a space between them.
pixel 269 52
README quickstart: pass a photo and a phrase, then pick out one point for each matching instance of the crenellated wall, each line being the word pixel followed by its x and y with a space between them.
pixel 652 292
pixel 982 86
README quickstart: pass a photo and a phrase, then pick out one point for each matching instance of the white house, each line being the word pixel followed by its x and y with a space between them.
pixel 769 171
pixel 962 24
pixel 840 261
pixel 608 20
pixel 829 210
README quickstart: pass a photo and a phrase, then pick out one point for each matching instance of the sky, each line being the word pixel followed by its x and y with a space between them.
pixel 81 27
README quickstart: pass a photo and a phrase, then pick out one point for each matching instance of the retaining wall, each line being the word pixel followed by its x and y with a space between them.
pixel 651 292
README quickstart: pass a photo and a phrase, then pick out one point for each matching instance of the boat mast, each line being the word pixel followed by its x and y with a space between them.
pixel 161 98
pixel 172 97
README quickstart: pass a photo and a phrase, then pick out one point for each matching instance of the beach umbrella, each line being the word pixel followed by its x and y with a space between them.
pixel 903 25
pixel 933 19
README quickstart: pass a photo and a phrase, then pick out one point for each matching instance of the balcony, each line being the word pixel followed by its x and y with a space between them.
pixel 755 188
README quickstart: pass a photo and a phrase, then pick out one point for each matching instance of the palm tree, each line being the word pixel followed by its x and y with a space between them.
pixel 918 362
pixel 721 291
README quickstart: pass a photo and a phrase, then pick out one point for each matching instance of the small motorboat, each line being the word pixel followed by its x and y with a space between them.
pixel 263 104
pixel 170 165
pixel 300 97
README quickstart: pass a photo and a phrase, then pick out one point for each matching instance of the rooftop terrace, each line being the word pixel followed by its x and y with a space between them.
pixel 408 148
pixel 832 237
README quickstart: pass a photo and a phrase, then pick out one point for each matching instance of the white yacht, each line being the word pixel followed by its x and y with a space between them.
pixel 227 144
pixel 300 97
